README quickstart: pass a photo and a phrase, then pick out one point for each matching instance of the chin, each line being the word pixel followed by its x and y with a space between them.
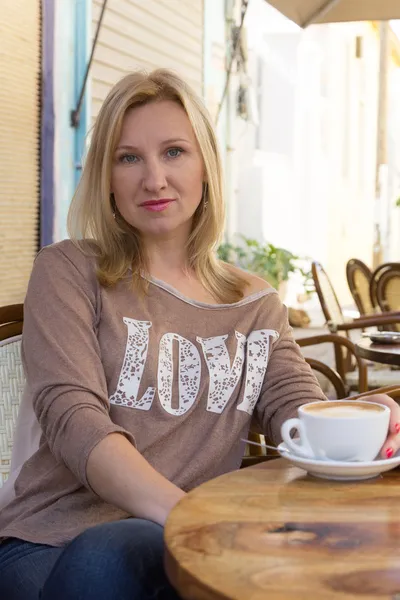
pixel 162 228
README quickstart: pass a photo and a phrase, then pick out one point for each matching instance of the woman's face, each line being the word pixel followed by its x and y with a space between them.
pixel 157 172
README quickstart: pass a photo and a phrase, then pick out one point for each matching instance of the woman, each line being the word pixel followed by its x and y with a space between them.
pixel 145 358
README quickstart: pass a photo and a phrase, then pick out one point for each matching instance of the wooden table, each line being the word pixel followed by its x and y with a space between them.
pixel 271 532
pixel 388 354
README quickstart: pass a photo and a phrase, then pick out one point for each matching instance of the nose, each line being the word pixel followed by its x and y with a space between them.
pixel 154 176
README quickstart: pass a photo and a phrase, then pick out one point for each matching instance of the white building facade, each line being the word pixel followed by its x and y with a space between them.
pixel 305 161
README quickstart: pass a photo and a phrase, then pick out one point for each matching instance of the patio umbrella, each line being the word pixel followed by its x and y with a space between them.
pixel 307 12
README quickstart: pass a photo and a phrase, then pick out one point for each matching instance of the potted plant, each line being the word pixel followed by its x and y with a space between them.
pixel 270 262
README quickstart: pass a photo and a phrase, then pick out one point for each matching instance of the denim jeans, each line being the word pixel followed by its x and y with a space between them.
pixel 121 560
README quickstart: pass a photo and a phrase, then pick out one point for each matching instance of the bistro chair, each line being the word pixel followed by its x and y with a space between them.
pixel 376 275
pixel 338 324
pixel 333 311
pixel 12 380
pixel 359 279
pixel 388 289
pixel 11 320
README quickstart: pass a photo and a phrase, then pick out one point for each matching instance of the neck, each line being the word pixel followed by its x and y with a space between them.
pixel 166 256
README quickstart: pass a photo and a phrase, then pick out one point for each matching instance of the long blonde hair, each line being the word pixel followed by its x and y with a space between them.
pixel 116 244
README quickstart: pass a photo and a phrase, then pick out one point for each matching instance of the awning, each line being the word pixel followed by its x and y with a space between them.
pixel 307 12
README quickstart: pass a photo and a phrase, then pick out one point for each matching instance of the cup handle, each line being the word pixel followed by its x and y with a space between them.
pixel 301 448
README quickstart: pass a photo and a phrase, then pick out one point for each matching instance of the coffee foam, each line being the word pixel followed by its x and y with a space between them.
pixel 342 409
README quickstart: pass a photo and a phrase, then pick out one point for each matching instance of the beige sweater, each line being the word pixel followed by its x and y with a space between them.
pixel 179 378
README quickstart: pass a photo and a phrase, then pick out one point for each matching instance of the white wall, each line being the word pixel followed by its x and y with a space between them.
pixel 392 241
pixel 306 172
pixel 215 61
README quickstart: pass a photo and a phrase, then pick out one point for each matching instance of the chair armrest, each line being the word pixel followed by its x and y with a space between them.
pixel 371 321
pixel 339 342
pixel 11 320
pixel 391 390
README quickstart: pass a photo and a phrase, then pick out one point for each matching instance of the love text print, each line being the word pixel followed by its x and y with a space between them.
pixel 251 352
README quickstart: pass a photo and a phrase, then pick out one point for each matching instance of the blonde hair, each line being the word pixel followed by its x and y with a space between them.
pixel 117 245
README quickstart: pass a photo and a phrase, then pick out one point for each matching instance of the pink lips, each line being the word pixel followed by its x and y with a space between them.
pixel 157 205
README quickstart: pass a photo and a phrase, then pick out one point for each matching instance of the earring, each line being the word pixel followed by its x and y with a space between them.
pixel 112 202
pixel 204 195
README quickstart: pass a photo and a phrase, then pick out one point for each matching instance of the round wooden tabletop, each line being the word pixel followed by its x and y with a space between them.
pixel 389 354
pixel 272 532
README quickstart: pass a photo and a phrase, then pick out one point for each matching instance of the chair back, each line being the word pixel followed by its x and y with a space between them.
pixel 12 381
pixel 376 275
pixel 359 279
pixel 388 290
pixel 326 295
pixel 11 320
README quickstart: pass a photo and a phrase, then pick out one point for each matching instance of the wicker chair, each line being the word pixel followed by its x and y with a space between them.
pixel 338 324
pixel 11 380
pixel 376 275
pixel 333 311
pixel 359 279
pixel 387 288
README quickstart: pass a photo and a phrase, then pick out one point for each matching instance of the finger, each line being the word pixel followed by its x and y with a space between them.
pixel 391 446
pixel 394 421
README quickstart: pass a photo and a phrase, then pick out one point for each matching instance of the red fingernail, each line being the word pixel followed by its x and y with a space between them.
pixel 389 452
pixel 397 427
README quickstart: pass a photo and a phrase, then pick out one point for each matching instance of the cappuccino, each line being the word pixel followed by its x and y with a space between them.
pixel 342 430
pixel 342 410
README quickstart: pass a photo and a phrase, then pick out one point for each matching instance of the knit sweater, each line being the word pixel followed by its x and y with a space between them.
pixel 181 379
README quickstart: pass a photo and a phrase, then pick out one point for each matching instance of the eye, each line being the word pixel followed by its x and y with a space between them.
pixel 174 152
pixel 128 158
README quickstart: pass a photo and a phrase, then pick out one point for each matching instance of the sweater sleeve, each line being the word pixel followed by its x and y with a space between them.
pixel 289 381
pixel 62 359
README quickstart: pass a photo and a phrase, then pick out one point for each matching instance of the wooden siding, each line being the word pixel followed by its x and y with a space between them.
pixel 151 34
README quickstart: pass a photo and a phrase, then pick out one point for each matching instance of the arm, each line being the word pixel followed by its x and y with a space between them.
pixel 119 474
pixel 289 381
pixel 66 380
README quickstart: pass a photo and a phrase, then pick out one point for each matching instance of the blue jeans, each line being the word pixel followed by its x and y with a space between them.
pixel 121 560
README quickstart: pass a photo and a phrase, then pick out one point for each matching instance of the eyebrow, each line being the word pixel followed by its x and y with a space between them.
pixel 163 143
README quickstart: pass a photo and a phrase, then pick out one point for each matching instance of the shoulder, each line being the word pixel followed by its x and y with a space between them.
pixel 67 260
pixel 254 284
pixel 76 253
pixel 257 284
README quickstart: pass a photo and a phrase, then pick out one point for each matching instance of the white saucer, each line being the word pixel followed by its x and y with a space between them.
pixel 339 470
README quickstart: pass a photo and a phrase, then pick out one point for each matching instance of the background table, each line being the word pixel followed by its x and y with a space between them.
pixel 271 532
pixel 388 354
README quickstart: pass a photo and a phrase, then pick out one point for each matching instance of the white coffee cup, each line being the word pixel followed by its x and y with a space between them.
pixel 344 430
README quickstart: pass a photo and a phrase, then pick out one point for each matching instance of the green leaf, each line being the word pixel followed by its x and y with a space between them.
pixel 270 262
